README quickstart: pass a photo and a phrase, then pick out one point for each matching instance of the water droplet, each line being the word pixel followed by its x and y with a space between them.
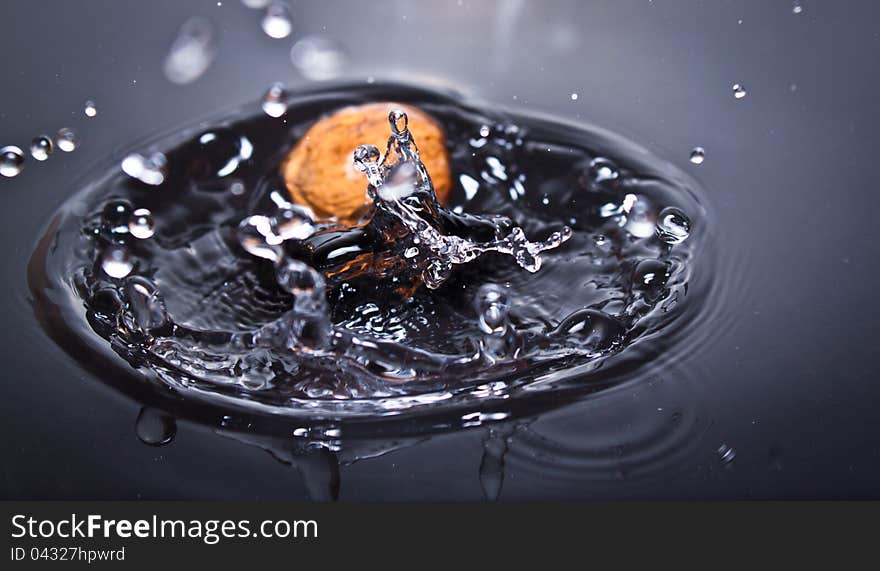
pixel 726 454
pixel 116 262
pixel 493 306
pixel 42 147
pixel 484 131
pixel 797 8
pixel 293 222
pixel 574 96
pixel 90 110
pixel 66 140
pixel 11 161
pixel 275 100
pixel 603 172
pixel 276 21
pixel 115 216
pixel 149 170
pixel 154 427
pixel 191 53
pixel 219 154
pixel 698 155
pixel 673 225
pixel 298 278
pixel 141 225
pixel 591 329
pixel 255 4
pixel 650 277
pixel 145 303
pixel 258 238
pixel 738 91
pixel 317 58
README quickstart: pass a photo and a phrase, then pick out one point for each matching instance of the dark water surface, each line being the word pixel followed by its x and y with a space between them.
pixel 772 395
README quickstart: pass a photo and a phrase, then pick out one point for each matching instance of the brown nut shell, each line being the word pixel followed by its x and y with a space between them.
pixel 318 172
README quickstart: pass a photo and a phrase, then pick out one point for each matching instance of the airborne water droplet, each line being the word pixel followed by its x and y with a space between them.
pixel 276 21
pixel 149 170
pixel 116 262
pixel 738 91
pixel 90 109
pixel 797 8
pixel 141 224
pixel 698 155
pixel 574 96
pixel 11 161
pixel 66 140
pixel 493 306
pixel 42 147
pixel 317 58
pixel 274 103
pixel 484 131
pixel 673 225
pixel 191 53
pixel 154 427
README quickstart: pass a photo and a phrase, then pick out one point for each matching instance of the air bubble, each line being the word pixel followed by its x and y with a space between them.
pixel 191 53
pixel 116 262
pixel 274 101
pixel 276 21
pixel 698 155
pixel 42 147
pixel 673 225
pixel 11 161
pixel 66 140
pixel 90 109
pixel 317 58
pixel 141 225
pixel 149 170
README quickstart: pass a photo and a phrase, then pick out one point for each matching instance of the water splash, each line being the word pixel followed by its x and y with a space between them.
pixel 42 147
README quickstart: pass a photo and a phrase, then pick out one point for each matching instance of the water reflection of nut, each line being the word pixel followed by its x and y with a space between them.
pixel 319 173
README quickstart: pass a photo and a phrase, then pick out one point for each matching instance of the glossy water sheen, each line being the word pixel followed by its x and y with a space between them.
pixel 621 290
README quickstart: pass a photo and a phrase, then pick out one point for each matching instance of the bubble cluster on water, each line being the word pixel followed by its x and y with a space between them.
pixel 542 262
